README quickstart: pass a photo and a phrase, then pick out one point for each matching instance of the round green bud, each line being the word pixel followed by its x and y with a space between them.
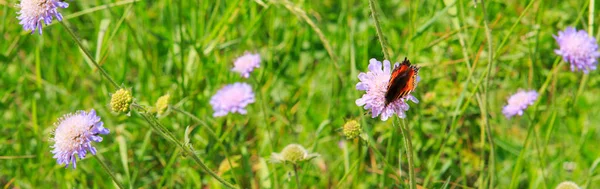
pixel 292 153
pixel 567 185
pixel 352 129
pixel 121 100
pixel 162 104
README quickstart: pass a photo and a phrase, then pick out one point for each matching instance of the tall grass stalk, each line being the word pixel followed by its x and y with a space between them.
pixel 380 35
pixel 297 177
pixel 409 154
pixel 403 126
pixel 148 117
pixel 488 34
pixel 110 172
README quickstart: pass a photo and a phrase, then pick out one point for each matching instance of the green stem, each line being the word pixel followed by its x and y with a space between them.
pixel 112 175
pixel 302 14
pixel 517 169
pixel 149 117
pixel 378 29
pixel 264 112
pixel 157 126
pixel 591 18
pixel 409 154
pixel 196 119
pixel 87 53
pixel 296 174
pixel 488 34
pixel 212 133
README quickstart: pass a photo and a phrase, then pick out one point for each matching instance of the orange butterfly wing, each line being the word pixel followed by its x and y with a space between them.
pixel 402 82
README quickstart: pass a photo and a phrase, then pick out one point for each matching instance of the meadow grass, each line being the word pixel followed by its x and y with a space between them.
pixel 472 58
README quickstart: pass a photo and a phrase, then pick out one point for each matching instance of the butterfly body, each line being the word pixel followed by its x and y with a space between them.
pixel 402 81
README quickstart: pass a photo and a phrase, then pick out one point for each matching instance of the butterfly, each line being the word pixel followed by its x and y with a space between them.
pixel 402 82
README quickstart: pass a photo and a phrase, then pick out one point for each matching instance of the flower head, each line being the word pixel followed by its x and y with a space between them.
pixel 577 48
pixel 232 98
pixel 162 104
pixel 567 185
pixel 352 129
pixel 375 84
pixel 74 134
pixel 246 63
pixel 292 153
pixel 518 102
pixel 121 100
pixel 33 13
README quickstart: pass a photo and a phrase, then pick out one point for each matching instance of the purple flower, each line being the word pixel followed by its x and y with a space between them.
pixel 577 48
pixel 246 63
pixel 518 102
pixel 232 98
pixel 375 83
pixel 35 12
pixel 74 134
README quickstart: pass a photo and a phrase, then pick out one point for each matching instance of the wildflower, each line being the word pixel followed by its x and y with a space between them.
pixel 567 185
pixel 232 98
pixel 121 100
pixel 375 83
pixel 518 102
pixel 33 13
pixel 292 153
pixel 74 134
pixel 577 48
pixel 352 129
pixel 246 63
pixel 162 104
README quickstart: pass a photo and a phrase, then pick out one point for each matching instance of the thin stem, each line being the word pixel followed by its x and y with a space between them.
pixel 591 18
pixel 112 175
pixel 378 29
pixel 516 171
pixel 296 174
pixel 302 14
pixel 150 118
pixel 264 112
pixel 409 154
pixel 196 119
pixel 488 34
pixel 87 53
pixel 211 132
pixel 186 148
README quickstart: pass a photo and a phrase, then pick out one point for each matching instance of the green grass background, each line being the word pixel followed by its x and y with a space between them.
pixel 186 49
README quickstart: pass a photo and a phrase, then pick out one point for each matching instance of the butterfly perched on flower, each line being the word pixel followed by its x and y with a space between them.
pixel 387 90
pixel 402 81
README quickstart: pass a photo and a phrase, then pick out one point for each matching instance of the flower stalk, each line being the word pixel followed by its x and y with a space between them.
pixel 409 154
pixel 148 117
pixel 110 172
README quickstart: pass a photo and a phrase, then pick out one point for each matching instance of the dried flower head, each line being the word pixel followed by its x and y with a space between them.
pixel 33 13
pixel 162 104
pixel 375 83
pixel 74 134
pixel 292 153
pixel 246 64
pixel 352 129
pixel 518 102
pixel 567 185
pixel 232 98
pixel 121 100
pixel 578 48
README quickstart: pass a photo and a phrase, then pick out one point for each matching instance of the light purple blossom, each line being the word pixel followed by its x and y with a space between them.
pixel 232 98
pixel 246 64
pixel 33 13
pixel 375 84
pixel 518 102
pixel 74 134
pixel 578 48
